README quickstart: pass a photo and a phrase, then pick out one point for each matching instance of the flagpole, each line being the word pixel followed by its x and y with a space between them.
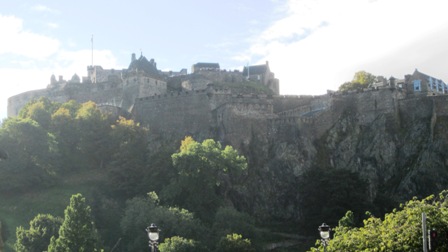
pixel 91 40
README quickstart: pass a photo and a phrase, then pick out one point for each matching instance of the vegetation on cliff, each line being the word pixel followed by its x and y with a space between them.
pixel 361 79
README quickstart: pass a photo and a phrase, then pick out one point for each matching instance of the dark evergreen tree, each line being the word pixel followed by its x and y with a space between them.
pixel 37 238
pixel 77 233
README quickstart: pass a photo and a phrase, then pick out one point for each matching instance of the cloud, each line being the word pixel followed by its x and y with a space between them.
pixel 43 8
pixel 16 40
pixel 53 25
pixel 320 44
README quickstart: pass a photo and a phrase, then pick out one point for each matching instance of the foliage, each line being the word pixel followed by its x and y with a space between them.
pixel 39 111
pixel 326 195
pixel 207 174
pixel 179 244
pixel 362 79
pixel 234 242
pixel 31 152
pixel 348 220
pixel 37 238
pixel 77 232
pixel 400 230
pixel 140 212
pixel 228 220
pixel 127 166
pixel 93 134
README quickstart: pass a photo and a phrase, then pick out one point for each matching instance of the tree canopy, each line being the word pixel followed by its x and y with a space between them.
pixel 77 232
pixel 207 175
pixel 400 230
pixel 362 79
pixel 37 237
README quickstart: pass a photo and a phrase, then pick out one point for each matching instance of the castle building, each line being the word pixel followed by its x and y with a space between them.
pixel 263 74
pixel 120 88
pixel 422 84
pixel 200 66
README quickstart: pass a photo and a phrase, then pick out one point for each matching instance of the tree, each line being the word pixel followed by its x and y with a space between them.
pixel 399 230
pixel 31 152
pixel 127 165
pixel 93 134
pixel 140 212
pixel 234 242
pixel 179 244
pixel 37 238
pixel 362 79
pixel 77 233
pixel 39 111
pixel 207 174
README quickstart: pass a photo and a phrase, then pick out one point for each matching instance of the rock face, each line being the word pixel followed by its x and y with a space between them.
pixel 395 142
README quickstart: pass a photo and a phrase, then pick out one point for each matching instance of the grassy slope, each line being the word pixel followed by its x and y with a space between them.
pixel 18 209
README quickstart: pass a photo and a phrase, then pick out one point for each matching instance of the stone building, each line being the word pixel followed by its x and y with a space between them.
pixel 419 83
pixel 200 66
pixel 263 74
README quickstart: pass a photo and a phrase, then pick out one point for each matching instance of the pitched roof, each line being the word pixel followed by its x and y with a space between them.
pixel 142 64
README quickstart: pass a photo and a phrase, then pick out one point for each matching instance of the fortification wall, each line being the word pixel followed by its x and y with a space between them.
pixel 242 118
pixel 441 105
pixel 100 94
pixel 17 102
pixel 289 102
pixel 173 116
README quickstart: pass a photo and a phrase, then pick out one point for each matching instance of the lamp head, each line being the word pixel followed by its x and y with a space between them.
pixel 153 232
pixel 324 230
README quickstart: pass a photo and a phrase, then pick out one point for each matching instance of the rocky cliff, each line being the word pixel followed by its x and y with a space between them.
pixel 396 143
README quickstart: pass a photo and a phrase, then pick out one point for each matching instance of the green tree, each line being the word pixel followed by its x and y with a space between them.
pixel 362 79
pixel 399 230
pixel 234 242
pixel 140 212
pixel 37 238
pixel 39 111
pixel 31 152
pixel 77 232
pixel 127 166
pixel 179 244
pixel 207 174
pixel 94 130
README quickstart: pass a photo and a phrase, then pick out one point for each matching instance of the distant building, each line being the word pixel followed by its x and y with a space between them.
pixel 205 67
pixel 420 83
pixel 263 74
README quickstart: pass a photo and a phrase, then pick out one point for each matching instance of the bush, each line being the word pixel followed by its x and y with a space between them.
pixel 234 242
pixel 180 244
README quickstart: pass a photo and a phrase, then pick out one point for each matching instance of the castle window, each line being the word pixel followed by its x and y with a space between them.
pixel 417 85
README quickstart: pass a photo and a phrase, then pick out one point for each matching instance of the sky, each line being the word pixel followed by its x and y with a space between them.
pixel 311 45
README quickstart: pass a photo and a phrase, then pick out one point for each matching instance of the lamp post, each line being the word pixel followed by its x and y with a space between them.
pixel 153 235
pixel 324 231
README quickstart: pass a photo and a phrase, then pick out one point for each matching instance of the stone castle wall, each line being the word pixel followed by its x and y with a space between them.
pixel 173 116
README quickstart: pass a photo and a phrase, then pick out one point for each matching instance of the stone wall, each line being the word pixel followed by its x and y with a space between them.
pixel 171 117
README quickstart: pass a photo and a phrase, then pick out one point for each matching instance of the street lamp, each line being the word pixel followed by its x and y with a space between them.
pixel 153 235
pixel 324 230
